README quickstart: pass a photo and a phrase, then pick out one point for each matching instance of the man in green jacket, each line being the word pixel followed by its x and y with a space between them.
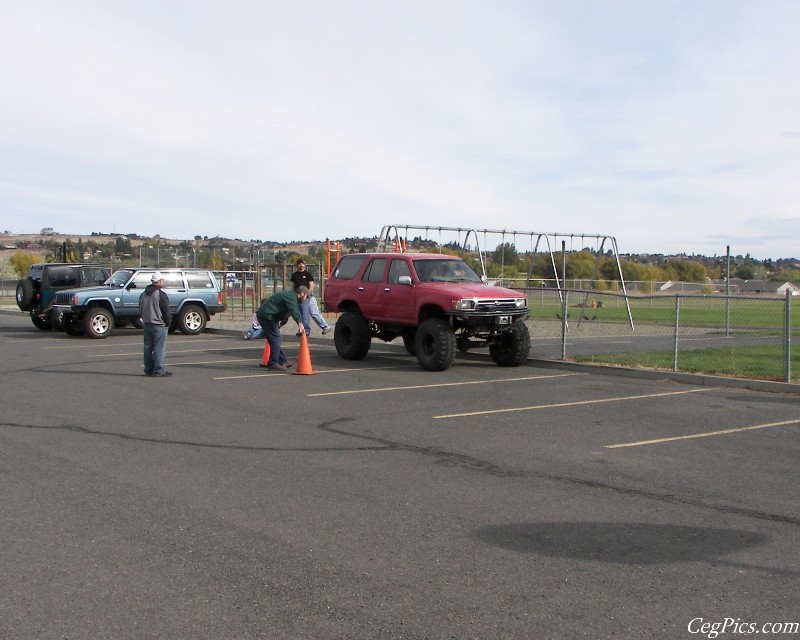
pixel 273 313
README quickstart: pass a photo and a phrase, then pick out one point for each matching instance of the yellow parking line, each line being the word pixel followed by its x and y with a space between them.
pixel 443 384
pixel 706 434
pixel 570 404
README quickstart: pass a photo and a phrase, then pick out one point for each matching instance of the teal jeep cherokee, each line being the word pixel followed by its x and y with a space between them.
pixel 194 296
pixel 35 292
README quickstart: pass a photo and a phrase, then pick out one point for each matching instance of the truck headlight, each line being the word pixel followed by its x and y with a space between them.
pixel 465 304
pixel 521 303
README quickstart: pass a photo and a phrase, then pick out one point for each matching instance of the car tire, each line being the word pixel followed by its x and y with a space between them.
pixel 56 320
pixel 41 322
pixel 512 349
pixel 435 345
pixel 71 325
pixel 25 294
pixel 191 320
pixel 352 336
pixel 98 322
pixel 409 341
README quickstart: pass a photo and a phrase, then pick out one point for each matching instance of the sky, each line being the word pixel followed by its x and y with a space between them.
pixel 672 126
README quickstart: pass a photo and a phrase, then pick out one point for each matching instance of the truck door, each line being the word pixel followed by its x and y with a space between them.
pixel 399 298
pixel 370 288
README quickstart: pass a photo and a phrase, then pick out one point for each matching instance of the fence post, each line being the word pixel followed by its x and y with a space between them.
pixel 564 311
pixel 675 340
pixel 788 335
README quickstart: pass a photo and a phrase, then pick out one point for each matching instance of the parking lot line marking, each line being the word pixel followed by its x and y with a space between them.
pixel 442 384
pixel 259 374
pixel 170 352
pixel 706 434
pixel 577 403
pixel 100 343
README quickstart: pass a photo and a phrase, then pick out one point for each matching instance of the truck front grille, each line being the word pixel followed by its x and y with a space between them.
pixel 498 304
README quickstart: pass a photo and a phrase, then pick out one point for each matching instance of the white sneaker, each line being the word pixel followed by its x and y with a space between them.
pixel 246 335
pixel 326 330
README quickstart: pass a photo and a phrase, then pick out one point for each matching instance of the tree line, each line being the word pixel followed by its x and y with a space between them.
pixel 505 261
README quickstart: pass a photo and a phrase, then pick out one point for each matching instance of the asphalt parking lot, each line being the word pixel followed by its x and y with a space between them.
pixel 376 500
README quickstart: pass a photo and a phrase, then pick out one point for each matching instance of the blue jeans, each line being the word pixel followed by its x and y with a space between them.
pixel 310 309
pixel 253 332
pixel 272 332
pixel 155 348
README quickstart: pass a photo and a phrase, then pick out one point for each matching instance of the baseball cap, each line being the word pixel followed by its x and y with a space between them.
pixel 156 276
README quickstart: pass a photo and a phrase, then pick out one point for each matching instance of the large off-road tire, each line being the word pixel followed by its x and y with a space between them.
pixel 351 336
pixel 435 345
pixel 409 341
pixel 25 294
pixel 513 347
pixel 41 322
pixel 98 322
pixel 191 320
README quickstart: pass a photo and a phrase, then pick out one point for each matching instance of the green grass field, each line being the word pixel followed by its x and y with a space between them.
pixel 695 311
pixel 761 363
pixel 753 316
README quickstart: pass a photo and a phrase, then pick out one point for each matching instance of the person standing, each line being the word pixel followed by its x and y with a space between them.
pixel 272 314
pixel 156 317
pixel 309 308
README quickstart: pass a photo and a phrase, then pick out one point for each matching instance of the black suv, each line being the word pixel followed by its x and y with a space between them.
pixel 194 296
pixel 35 293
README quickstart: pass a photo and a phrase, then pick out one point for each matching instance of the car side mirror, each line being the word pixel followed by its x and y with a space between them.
pixel 404 280
pixel 484 279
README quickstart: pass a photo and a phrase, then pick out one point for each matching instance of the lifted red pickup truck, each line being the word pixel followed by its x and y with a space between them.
pixel 436 303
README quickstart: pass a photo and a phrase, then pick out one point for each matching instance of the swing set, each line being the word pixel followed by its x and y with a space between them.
pixel 394 238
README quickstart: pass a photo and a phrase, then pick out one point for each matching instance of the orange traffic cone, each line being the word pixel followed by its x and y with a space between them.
pixel 265 356
pixel 304 359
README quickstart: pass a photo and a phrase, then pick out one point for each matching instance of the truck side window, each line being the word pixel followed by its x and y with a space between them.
pixel 374 272
pixel 348 267
pixel 397 269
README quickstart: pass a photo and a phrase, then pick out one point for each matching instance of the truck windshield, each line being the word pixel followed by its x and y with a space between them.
pixel 445 270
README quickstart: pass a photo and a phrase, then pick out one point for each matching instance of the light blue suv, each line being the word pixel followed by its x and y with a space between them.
pixel 194 296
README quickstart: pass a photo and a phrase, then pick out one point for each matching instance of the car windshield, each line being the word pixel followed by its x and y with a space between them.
pixel 444 270
pixel 119 278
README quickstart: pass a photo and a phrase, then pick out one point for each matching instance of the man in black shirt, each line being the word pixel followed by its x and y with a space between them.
pixel 308 307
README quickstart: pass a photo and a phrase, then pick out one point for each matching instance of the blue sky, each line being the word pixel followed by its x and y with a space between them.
pixel 673 126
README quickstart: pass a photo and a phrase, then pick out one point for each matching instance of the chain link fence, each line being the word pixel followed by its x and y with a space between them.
pixel 742 336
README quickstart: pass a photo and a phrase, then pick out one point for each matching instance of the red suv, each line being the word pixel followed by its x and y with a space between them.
pixel 435 302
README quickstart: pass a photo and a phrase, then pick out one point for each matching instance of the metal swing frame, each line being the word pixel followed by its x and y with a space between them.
pixel 391 239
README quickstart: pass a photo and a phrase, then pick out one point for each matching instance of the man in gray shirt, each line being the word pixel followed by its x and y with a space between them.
pixel 156 317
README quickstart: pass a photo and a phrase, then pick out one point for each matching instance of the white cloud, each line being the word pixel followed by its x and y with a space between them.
pixel 672 127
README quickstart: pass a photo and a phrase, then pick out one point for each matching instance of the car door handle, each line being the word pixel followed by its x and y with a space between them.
pixel 361 288
pixel 387 289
